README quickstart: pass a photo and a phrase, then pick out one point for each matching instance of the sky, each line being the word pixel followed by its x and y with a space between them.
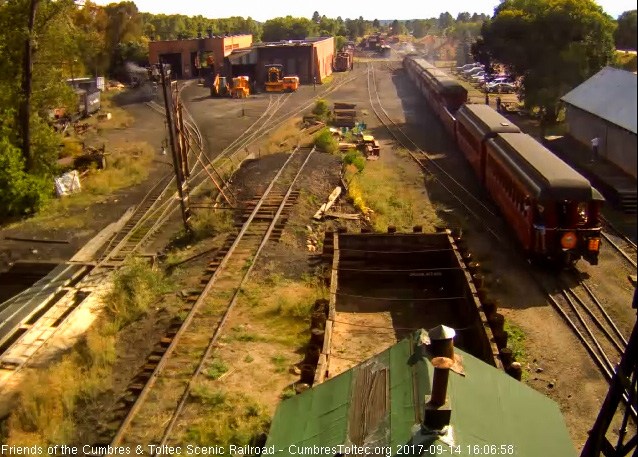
pixel 261 10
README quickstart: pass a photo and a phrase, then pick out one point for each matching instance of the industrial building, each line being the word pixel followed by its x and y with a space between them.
pixel 310 59
pixel 604 107
pixel 184 55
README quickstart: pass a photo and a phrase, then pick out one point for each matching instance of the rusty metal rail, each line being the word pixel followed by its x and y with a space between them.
pixel 139 389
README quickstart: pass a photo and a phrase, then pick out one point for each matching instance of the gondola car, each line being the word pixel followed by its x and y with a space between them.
pixel 553 210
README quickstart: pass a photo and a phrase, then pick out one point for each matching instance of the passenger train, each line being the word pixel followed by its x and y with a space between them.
pixel 552 209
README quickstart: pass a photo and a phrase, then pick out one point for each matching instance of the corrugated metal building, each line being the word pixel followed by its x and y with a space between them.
pixel 605 107
pixel 381 404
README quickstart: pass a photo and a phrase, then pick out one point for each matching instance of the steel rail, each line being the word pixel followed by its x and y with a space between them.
pixel 230 307
pixel 191 313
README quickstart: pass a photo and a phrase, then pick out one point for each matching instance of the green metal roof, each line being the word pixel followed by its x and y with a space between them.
pixel 488 408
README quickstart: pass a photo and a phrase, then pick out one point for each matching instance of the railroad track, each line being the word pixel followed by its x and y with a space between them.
pixel 586 316
pixel 478 210
pixel 188 342
pixel 620 242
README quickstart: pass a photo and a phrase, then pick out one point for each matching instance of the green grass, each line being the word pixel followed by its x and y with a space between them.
pixel 135 287
pixel 248 359
pixel 288 393
pixel 208 223
pixel 355 158
pixel 216 369
pixel 393 196
pixel 326 141
pixel 228 418
pixel 279 361
pixel 516 341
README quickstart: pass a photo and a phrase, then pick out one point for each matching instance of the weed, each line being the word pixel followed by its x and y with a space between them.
pixel 238 422
pixel 208 397
pixel 248 358
pixel 326 141
pixel 289 392
pixel 516 341
pixel 280 363
pixel 135 287
pixel 216 369
pixel 248 337
pixel 206 224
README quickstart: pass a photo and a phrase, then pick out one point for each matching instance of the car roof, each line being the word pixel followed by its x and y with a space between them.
pixel 546 176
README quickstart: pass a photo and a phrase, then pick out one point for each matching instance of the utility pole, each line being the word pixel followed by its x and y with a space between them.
pixel 26 87
pixel 175 149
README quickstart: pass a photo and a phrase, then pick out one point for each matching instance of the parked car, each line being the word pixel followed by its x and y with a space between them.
pixel 478 75
pixel 469 73
pixel 501 88
pixel 468 66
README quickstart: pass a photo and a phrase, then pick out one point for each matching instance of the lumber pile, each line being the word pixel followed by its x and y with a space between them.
pixel 345 114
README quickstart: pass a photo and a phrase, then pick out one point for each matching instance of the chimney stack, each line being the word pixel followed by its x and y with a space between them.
pixel 438 411
pixel 442 341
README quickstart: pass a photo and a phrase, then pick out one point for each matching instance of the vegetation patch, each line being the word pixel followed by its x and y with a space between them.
pixel 516 341
pixel 135 287
pixel 355 158
pixel 390 196
pixel 225 418
pixel 326 141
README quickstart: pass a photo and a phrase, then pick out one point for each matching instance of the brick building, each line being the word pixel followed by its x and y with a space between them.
pixel 182 55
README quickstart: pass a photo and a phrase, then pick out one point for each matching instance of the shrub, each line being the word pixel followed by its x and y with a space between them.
pixel 20 192
pixel 321 108
pixel 356 158
pixel 326 141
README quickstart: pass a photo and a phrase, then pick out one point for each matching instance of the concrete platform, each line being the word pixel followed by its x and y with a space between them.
pixel 618 187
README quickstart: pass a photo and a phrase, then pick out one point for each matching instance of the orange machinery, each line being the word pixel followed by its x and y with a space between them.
pixel 275 82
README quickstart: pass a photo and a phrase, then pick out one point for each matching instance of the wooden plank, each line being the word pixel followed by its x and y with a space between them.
pixel 326 206
pixel 320 374
pixel 87 252
pixel 354 217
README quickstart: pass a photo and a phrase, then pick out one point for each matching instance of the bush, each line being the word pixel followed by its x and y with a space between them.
pixel 20 192
pixel 321 107
pixel 326 141
pixel 356 158
pixel 135 287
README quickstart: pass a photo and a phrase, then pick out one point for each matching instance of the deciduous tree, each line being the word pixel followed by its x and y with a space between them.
pixel 552 45
pixel 626 34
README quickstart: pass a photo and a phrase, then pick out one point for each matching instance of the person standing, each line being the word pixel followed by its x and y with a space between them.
pixel 594 146
pixel 487 98
pixel 539 226
pixel 498 104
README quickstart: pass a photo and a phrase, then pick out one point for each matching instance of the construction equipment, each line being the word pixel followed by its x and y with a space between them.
pixel 276 83
pixel 219 88
pixel 241 87
pixel 369 146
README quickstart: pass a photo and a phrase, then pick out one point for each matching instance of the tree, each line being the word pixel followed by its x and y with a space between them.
pixel 395 27
pixel 445 20
pixel 316 17
pixel 464 17
pixel 552 46
pixel 376 24
pixel 626 34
